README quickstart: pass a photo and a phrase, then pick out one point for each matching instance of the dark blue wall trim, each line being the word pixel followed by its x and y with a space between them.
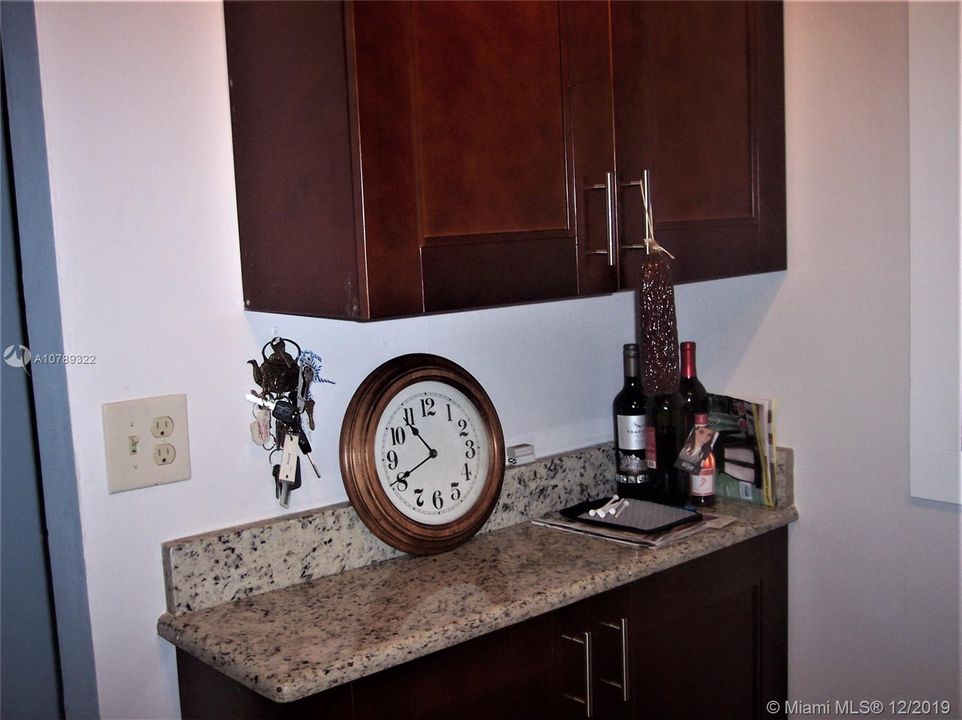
pixel 29 661
pixel 42 300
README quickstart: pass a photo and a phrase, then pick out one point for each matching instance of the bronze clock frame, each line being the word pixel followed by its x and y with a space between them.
pixel 358 461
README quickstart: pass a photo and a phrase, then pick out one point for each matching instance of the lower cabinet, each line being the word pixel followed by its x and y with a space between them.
pixel 707 638
pixel 704 639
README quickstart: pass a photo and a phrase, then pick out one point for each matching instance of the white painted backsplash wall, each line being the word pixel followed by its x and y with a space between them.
pixel 138 131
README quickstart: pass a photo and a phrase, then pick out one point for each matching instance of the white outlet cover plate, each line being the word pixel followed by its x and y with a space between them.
pixel 132 419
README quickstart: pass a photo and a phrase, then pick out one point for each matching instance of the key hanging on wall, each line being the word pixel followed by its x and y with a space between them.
pixel 279 405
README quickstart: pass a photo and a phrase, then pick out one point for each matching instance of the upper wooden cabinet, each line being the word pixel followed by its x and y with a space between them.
pixel 399 158
pixel 694 94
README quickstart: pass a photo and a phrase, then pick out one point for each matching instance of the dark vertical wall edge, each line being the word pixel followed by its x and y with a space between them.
pixel 42 298
pixel 30 683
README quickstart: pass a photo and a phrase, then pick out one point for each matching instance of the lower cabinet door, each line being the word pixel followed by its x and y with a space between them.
pixel 690 664
pixel 708 638
pixel 498 676
pixel 208 694
pixel 572 651
pixel 612 625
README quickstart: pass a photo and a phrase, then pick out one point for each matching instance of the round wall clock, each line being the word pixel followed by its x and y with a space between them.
pixel 422 454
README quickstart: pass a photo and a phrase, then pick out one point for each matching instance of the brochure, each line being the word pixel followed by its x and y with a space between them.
pixel 745 448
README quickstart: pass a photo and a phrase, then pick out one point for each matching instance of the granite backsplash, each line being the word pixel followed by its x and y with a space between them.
pixel 205 570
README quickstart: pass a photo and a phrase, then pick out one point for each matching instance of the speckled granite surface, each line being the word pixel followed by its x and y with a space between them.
pixel 206 570
pixel 312 635
pixel 300 640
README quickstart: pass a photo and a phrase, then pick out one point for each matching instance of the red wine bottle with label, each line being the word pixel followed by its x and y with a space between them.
pixel 629 413
pixel 695 410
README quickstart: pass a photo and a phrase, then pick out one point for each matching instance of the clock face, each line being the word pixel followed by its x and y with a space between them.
pixel 422 453
pixel 432 452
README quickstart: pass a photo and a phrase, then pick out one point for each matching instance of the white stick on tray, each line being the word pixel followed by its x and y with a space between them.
pixel 604 509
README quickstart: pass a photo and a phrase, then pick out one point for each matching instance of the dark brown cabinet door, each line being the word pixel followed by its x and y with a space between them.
pixel 292 157
pixel 588 33
pixel 465 153
pixel 699 103
pixel 572 687
pixel 709 637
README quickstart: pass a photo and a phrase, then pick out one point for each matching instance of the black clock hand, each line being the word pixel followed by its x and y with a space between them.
pixel 405 475
pixel 417 434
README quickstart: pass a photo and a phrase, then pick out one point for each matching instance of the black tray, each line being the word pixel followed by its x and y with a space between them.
pixel 640 516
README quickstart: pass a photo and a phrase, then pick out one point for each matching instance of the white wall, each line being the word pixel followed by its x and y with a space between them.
pixel 136 104
pixel 934 120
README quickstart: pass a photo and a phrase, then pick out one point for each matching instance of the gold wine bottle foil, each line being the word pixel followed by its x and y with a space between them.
pixel 659 327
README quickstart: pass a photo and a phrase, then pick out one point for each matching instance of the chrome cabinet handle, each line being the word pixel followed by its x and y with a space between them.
pixel 623 685
pixel 588 699
pixel 611 203
pixel 610 187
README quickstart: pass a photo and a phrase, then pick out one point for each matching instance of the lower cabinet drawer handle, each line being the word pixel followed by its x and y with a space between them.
pixel 622 627
pixel 588 699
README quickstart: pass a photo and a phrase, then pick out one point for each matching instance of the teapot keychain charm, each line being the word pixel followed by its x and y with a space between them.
pixel 278 373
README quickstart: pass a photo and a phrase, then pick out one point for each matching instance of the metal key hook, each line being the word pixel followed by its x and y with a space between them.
pixel 279 346
pixel 651 245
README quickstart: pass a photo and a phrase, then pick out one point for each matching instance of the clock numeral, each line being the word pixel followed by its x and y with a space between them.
pixel 455 492
pixel 467 473
pixel 437 500
pixel 427 407
pixel 391 460
pixel 418 499
pixel 409 416
pixel 401 484
pixel 449 413
pixel 398 436
pixel 463 424
pixel 471 450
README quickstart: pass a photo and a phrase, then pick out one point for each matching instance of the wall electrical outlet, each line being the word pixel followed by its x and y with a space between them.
pixel 146 442
pixel 164 454
pixel 161 427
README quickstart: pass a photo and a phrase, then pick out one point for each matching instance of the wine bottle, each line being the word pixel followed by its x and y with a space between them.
pixel 629 413
pixel 692 391
pixel 665 430
pixel 703 483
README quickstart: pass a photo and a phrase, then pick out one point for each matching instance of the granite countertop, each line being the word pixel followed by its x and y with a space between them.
pixel 295 641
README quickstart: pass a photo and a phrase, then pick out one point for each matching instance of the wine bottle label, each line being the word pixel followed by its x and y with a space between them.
pixel 629 464
pixel 631 432
pixel 703 483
